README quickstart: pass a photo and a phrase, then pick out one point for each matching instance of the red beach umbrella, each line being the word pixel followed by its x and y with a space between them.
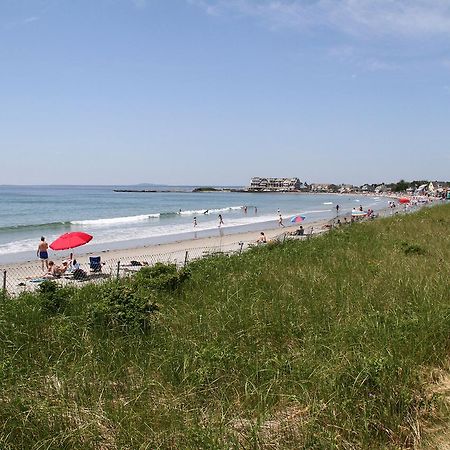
pixel 70 240
pixel 403 200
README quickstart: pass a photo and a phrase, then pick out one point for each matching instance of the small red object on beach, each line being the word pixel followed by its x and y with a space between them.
pixel 70 240
pixel 404 200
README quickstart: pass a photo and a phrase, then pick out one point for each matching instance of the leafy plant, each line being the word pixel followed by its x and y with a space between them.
pixel 412 249
pixel 161 277
pixel 52 296
pixel 120 304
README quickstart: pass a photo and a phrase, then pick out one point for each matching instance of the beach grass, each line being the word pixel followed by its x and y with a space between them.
pixel 339 341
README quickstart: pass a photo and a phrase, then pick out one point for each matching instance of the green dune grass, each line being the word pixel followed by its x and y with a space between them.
pixel 325 343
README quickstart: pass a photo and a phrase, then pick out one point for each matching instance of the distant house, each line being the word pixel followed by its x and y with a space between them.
pixel 433 187
pixel 421 190
pixel 437 187
pixel 274 184
pixel 319 187
pixel 344 188
pixel 367 188
pixel 381 189
pixel 304 186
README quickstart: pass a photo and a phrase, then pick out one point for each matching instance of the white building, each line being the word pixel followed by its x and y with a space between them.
pixel 274 184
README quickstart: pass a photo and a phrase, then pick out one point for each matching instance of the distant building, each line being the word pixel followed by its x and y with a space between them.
pixel 433 186
pixel 320 187
pixel 345 188
pixel 380 189
pixel 421 190
pixel 274 184
pixel 367 188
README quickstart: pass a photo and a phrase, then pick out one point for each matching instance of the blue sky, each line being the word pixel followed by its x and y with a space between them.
pixel 215 91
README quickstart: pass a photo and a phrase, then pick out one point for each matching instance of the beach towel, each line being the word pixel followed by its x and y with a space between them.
pixel 37 280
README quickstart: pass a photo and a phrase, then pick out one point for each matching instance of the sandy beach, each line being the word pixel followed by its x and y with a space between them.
pixel 118 262
pixel 222 242
pixel 20 276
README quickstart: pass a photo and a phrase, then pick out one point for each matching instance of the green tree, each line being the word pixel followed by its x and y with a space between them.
pixel 402 185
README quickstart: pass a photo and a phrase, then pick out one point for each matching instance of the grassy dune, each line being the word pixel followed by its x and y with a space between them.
pixel 328 343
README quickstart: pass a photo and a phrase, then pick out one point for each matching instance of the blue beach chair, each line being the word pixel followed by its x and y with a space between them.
pixel 95 263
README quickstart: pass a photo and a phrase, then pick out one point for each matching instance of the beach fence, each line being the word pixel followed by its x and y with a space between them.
pixel 27 277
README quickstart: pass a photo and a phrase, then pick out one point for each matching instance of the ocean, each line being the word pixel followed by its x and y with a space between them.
pixel 131 219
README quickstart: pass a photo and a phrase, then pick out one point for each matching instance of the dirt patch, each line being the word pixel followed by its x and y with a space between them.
pixel 437 436
pixel 283 425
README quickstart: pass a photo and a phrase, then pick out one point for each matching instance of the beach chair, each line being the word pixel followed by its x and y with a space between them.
pixel 95 263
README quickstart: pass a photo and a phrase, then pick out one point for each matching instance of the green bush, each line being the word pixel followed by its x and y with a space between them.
pixel 121 305
pixel 161 277
pixel 412 249
pixel 53 298
pixel 3 295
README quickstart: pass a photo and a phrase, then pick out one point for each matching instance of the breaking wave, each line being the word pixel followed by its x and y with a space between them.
pixel 116 220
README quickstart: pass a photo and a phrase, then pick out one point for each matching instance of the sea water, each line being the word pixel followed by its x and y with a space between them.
pixel 129 219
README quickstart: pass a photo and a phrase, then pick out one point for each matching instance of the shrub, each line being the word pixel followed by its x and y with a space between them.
pixel 53 298
pixel 161 277
pixel 3 295
pixel 119 304
pixel 412 249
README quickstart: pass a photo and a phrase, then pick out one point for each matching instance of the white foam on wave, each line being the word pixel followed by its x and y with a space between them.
pixel 24 245
pixel 104 235
pixel 192 212
pixel 196 212
pixel 327 203
pixel 115 220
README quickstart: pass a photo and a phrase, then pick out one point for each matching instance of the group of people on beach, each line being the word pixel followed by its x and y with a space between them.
pixel 69 265
pixel 49 267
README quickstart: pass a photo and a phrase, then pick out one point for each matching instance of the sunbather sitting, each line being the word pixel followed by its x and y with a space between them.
pixel 74 265
pixel 262 238
pixel 56 271
pixel 299 232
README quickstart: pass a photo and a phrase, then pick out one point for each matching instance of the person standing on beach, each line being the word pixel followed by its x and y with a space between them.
pixel 220 220
pixel 337 210
pixel 280 221
pixel 195 222
pixel 42 253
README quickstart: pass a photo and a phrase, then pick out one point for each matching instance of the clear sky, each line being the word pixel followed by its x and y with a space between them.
pixel 217 91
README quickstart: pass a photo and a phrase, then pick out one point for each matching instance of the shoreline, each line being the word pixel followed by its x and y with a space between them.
pixel 25 276
pixel 177 242
pixel 212 238
pixel 221 241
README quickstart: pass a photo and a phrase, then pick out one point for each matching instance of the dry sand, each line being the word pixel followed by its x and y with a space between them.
pixel 18 275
